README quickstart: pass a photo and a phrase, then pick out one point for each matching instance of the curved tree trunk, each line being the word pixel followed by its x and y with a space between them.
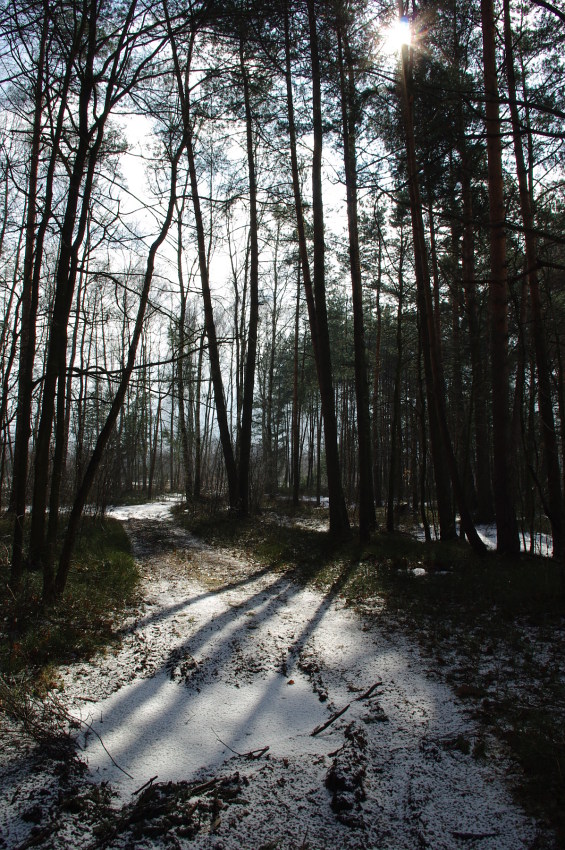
pixel 82 494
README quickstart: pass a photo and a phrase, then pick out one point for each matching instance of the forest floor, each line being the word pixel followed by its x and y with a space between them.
pixel 242 708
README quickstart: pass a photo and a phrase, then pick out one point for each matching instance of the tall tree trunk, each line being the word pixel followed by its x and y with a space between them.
pixel 548 433
pixel 197 429
pixel 181 364
pixel 268 429
pixel 339 522
pixel 506 525
pixel 251 359
pixel 421 413
pixel 117 402
pixel 183 90
pixel 442 449
pixel 153 450
pixel 395 426
pixel 295 405
pixel 349 122
pixel 485 507
pixel 29 303
pixel 73 230
pixel 377 461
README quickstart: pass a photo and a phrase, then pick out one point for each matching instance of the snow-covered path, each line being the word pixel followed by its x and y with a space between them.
pixel 207 677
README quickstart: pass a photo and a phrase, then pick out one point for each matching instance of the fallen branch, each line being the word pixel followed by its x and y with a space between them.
pixel 252 754
pixel 44 720
pixel 106 750
pixel 368 693
pixel 335 716
pixel 256 754
pixel 223 743
pixel 149 782
pixel 205 786
pixel 329 722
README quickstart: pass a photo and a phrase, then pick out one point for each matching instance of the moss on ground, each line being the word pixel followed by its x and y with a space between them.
pixel 102 581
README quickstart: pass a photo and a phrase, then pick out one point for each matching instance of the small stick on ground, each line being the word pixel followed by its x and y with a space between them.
pixel 205 786
pixel 108 753
pixel 256 754
pixel 149 782
pixel 368 693
pixel 329 722
pixel 252 754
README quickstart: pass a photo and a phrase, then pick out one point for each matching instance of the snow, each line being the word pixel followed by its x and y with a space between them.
pixel 161 725
pixel 542 543
pixel 204 677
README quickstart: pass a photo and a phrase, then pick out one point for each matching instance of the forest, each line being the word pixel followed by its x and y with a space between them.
pixel 298 248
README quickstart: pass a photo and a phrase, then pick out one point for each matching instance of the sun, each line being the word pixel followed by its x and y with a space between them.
pixel 396 35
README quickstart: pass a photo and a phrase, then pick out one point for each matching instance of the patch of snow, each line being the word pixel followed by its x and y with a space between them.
pixel 203 677
pixel 542 544
pixel 160 509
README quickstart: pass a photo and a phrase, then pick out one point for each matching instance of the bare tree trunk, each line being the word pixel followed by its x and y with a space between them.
pixel 442 449
pixel 377 460
pixel 485 508
pixel 153 458
pixel 109 424
pixel 339 522
pixel 181 365
pixel 421 413
pixel 315 293
pixel 349 120
pixel 295 405
pixel 75 219
pixel 197 435
pixel 548 433
pixel 183 90
pixel 251 359
pixel 395 426
pixel 507 527
pixel 29 302
pixel 268 428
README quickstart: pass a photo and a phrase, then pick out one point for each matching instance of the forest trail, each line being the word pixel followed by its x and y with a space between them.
pixel 210 702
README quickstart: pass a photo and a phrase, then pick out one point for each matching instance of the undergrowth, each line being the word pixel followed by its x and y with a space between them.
pixel 34 639
pixel 494 627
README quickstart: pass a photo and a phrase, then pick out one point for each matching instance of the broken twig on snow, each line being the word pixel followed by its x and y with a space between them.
pixel 252 754
pixel 329 722
pixel 149 782
pixel 335 716
pixel 368 692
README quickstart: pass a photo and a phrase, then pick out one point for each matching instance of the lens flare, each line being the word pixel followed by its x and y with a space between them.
pixel 397 35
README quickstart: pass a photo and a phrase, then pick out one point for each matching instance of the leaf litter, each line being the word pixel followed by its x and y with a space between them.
pixel 250 712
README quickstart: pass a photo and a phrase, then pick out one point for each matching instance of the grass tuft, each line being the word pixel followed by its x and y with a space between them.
pixel 102 581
